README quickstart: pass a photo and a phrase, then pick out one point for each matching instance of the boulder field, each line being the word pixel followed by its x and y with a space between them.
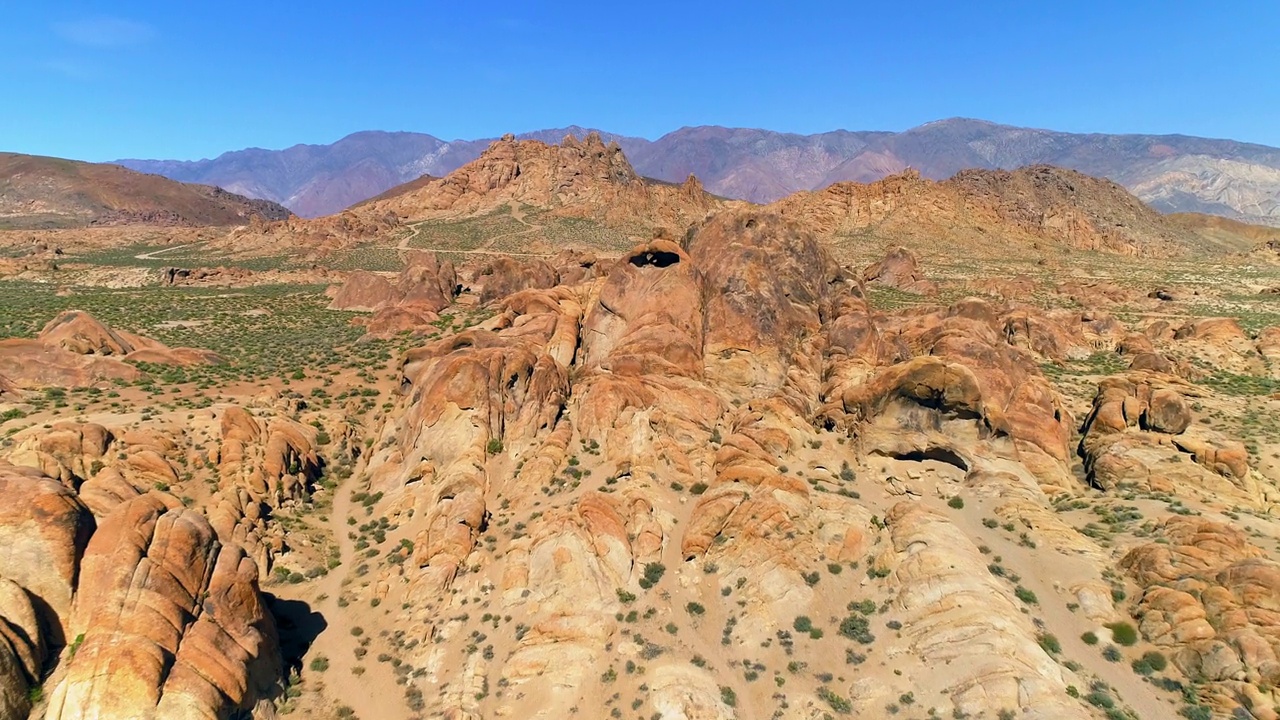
pixel 706 479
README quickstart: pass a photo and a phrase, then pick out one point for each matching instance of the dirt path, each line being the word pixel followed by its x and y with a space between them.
pixel 373 694
pixel 154 253
pixel 517 214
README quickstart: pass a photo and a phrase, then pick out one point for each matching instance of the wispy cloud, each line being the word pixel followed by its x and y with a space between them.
pixel 104 32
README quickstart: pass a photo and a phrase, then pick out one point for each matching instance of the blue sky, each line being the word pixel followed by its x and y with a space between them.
pixel 144 78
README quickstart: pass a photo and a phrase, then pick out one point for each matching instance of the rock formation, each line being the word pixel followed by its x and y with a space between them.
pixel 75 349
pixel 899 270
pixel 169 622
pixel 1032 204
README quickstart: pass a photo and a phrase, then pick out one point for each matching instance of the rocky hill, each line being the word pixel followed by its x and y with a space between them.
pixel 41 192
pixel 1040 204
pixel 1174 173
pixel 576 178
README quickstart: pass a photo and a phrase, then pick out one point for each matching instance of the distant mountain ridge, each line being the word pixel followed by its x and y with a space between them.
pixel 43 192
pixel 1173 173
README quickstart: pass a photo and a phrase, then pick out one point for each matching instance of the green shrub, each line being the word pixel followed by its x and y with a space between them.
pixel 802 624
pixel 1050 644
pixel 1123 633
pixel 837 703
pixel 1025 595
pixel 846 472
pixel 956 502
pixel 866 607
pixel 1151 662
pixel 652 574
pixel 494 447
pixel 1090 638
pixel 728 696
pixel 856 627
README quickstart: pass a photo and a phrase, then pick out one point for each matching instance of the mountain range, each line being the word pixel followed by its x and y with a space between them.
pixel 1172 173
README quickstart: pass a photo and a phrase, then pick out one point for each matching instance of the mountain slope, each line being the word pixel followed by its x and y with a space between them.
pixel 51 192
pixel 1174 173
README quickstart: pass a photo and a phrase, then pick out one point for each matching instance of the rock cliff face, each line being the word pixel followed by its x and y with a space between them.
pixel 168 622
pixel 122 603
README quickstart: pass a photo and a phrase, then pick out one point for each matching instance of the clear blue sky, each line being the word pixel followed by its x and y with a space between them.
pixel 145 78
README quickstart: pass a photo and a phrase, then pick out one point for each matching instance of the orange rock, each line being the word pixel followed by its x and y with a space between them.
pixel 900 270
pixel 44 528
pixel 172 621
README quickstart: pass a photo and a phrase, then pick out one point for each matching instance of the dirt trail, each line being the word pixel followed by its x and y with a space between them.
pixel 374 694
pixel 154 253
pixel 517 214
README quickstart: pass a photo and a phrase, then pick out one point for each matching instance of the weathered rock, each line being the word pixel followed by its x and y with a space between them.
pixel 505 276
pixel 770 285
pixel 22 650
pixel 44 529
pixel 1211 596
pixel 364 291
pixel 75 350
pixel 79 332
pixel 1268 342
pixel 274 459
pixel 955 613
pixel 426 286
pixel 899 270
pixel 172 622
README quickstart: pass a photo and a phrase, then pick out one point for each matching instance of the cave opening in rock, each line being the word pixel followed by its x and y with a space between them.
pixel 655 258
pixel 940 454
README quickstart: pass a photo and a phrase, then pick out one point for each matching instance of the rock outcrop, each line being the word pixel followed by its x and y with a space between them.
pixel 75 349
pixel 1210 596
pixel 410 302
pixel 899 270
pixel 169 622
pixel 44 529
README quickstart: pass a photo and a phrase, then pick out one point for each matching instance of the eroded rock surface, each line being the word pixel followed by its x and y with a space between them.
pixel 169 622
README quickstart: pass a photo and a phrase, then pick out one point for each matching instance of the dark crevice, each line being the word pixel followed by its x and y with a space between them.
pixel 655 258
pixel 940 454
